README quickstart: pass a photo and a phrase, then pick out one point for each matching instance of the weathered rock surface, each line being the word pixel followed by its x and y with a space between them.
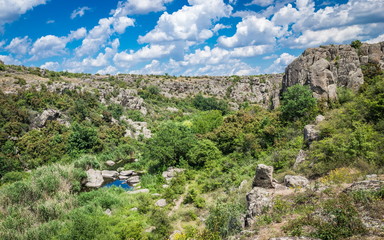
pixel 300 158
pixel 171 173
pixel 263 177
pixel 295 181
pixel 161 203
pixel 48 115
pixel 136 129
pixel 311 133
pixel 139 191
pixel 294 238
pixel 258 199
pixel 328 67
pixel 367 185
pixel 109 174
pixel 133 179
pixel 110 163
pixel 94 179
pixel 126 173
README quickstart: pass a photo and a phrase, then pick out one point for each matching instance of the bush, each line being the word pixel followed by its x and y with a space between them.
pixel 205 104
pixel 82 139
pixel 207 121
pixel 86 162
pixel 356 44
pixel 203 153
pixel 298 103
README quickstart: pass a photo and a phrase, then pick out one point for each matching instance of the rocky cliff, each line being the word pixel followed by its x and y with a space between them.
pixel 328 67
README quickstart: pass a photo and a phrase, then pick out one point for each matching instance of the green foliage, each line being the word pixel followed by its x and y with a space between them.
pixel 203 153
pixel 356 44
pixel 298 103
pixel 224 219
pixel 82 139
pixel 207 121
pixel 194 197
pixel 11 177
pixel 170 145
pixel 86 162
pixel 206 104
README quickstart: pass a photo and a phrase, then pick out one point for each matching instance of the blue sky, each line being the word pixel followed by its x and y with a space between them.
pixel 179 37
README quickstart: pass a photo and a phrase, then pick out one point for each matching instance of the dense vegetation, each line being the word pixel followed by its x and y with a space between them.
pixel 41 169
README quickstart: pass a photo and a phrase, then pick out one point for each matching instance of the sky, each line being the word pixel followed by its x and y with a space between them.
pixel 179 37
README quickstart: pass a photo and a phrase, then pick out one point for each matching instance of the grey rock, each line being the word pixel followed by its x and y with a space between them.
pixel 367 185
pixel 371 177
pixel 126 173
pixel 94 179
pixel 123 177
pixel 156 194
pixel 242 184
pixel 109 163
pixel 165 186
pixel 150 229
pixel 319 119
pixel 161 203
pixel 108 212
pixel 258 199
pixel 295 181
pixel 263 177
pixel 48 115
pixel 134 209
pixel 294 238
pixel 109 174
pixel 171 173
pixel 300 158
pixel 133 179
pixel 139 191
pixel 311 134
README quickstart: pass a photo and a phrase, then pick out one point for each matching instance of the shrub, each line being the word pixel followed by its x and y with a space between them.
pixel 205 104
pixel 356 44
pixel 207 121
pixel 298 103
pixel 86 162
pixel 204 152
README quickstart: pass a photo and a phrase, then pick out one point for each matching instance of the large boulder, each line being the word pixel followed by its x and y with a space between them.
pixel 94 179
pixel 311 133
pixel 133 179
pixel 109 174
pixel 367 185
pixel 161 203
pixel 258 200
pixel 295 181
pixel 171 173
pixel 263 177
pixel 48 115
pixel 300 158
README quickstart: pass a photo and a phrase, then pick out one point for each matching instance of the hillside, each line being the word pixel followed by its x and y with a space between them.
pixel 280 156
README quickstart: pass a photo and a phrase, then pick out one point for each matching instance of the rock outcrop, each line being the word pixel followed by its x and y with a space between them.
pixel 328 67
pixel 295 181
pixel 367 185
pixel 258 200
pixel 311 133
pixel 94 179
pixel 263 177
pixel 171 173
pixel 41 120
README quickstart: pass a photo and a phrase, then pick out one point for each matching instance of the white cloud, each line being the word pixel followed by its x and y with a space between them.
pixel 98 36
pixel 9 60
pixel 78 34
pixel 79 12
pixel 148 52
pixel 48 46
pixel 191 23
pixel 219 26
pixel 286 15
pixel 140 6
pixel 108 70
pixel 50 21
pixel 19 46
pixel 53 66
pixel 377 39
pixel 10 10
pixel 262 3
pixel 102 59
pixel 253 31
pixel 251 51
pixel 280 63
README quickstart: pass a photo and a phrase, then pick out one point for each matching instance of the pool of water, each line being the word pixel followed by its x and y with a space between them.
pixel 119 183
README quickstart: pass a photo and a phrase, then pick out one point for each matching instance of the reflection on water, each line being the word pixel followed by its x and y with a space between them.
pixel 119 183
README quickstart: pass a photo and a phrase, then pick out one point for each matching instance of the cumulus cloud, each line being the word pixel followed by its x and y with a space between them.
pixel 48 46
pixel 280 63
pixel 11 9
pixel 19 46
pixel 79 12
pixel 140 6
pixel 377 39
pixel 9 60
pixel 108 70
pixel 253 31
pixel 191 23
pixel 262 3
pixel 53 66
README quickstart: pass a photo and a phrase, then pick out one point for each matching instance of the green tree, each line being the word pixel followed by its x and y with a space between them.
pixel 356 44
pixel 298 103
pixel 204 152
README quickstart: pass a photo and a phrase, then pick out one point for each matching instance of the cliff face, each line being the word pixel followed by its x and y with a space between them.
pixel 328 67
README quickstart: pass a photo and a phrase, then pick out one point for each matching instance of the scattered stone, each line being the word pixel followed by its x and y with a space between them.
pixel 171 173
pixel 94 179
pixel 150 229
pixel 242 184
pixel 109 163
pixel 126 173
pixel 133 209
pixel 258 199
pixel 161 203
pixel 295 181
pixel 294 238
pixel 108 212
pixel 133 179
pixel 367 185
pixel 300 158
pixel 48 115
pixel 109 174
pixel 311 134
pixel 156 194
pixel 175 235
pixel 319 119
pixel 263 177
pixel 123 177
pixel 371 177
pixel 165 186
pixel 139 191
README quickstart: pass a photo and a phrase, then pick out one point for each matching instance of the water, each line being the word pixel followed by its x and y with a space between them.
pixel 119 183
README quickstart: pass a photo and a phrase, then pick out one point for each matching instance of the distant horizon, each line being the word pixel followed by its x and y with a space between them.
pixel 179 38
